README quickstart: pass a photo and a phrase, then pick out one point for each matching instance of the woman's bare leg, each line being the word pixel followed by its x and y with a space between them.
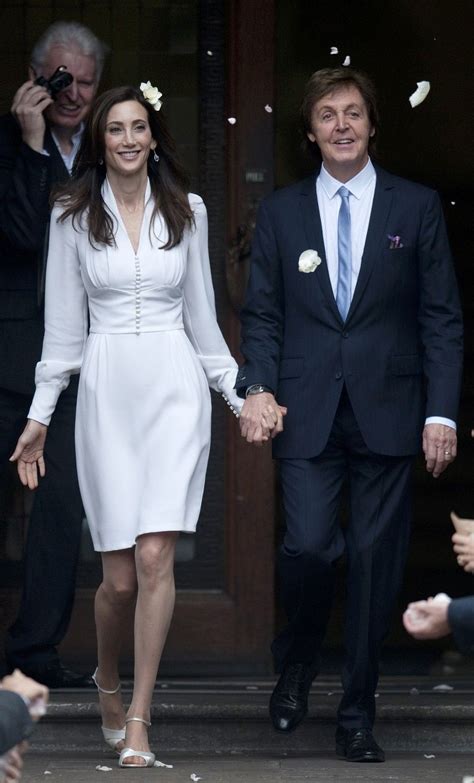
pixel 113 612
pixel 154 558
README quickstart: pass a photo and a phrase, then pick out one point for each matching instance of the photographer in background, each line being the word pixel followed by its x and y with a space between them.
pixel 39 139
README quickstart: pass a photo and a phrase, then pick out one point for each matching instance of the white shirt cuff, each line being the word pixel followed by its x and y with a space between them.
pixel 441 420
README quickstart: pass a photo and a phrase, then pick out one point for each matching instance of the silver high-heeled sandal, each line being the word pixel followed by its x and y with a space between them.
pixel 112 737
pixel 146 755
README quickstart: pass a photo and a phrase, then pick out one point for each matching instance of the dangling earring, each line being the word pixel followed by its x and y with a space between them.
pixel 156 157
pixel 101 162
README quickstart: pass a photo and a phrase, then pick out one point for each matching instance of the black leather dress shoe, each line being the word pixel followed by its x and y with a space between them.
pixel 55 675
pixel 289 700
pixel 358 745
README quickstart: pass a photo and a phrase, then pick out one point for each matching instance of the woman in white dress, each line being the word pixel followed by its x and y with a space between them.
pixel 130 305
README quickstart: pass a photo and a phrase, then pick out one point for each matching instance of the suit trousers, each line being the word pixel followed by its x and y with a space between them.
pixel 375 542
pixel 54 533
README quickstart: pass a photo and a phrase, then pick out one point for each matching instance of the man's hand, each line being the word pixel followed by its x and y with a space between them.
pixel 261 418
pixel 439 446
pixel 29 453
pixel 427 619
pixel 28 105
pixel 33 692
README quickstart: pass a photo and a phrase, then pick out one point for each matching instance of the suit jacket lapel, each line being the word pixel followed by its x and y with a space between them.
pixel 376 233
pixel 314 235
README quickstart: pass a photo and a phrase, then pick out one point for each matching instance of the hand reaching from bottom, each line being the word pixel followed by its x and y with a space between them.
pixel 29 453
pixel 11 765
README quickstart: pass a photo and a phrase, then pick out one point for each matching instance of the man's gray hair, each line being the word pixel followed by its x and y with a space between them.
pixel 69 34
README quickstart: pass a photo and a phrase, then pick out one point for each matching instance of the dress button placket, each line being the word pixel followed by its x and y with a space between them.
pixel 137 294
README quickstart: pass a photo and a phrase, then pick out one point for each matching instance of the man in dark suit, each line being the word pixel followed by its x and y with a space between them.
pixel 352 321
pixel 39 139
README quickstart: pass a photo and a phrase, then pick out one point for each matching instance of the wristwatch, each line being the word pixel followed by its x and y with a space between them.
pixel 257 388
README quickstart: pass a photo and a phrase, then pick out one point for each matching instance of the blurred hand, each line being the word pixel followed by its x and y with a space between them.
pixel 29 103
pixel 29 453
pixel 28 689
pixel 11 765
pixel 427 619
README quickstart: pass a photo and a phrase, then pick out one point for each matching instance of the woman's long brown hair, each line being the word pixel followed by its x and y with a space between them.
pixel 81 196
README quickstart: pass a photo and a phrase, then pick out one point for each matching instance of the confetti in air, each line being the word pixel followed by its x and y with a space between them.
pixel 268 109
pixel 209 53
pixel 347 60
pixel 334 50
pixel 420 94
pixel 453 203
pixel 231 120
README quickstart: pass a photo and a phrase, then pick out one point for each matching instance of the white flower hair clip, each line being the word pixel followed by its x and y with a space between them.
pixel 152 95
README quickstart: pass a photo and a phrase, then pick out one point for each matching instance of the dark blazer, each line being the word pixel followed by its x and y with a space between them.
pixel 399 353
pixel 461 620
pixel 15 721
pixel 26 180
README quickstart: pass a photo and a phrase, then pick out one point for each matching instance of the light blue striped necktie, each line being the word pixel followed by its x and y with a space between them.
pixel 344 253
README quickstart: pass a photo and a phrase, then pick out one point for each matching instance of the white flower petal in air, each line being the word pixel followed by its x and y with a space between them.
pixel 231 120
pixel 334 50
pixel 420 94
pixel 268 108
pixel 308 261
pixel 347 60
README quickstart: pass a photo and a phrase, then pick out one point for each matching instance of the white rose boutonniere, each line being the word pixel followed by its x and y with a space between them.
pixel 151 94
pixel 308 261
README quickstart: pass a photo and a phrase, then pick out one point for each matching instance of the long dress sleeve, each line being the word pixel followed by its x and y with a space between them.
pixel 66 320
pixel 199 313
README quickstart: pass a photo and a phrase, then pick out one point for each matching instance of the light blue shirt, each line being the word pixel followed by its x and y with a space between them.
pixel 362 189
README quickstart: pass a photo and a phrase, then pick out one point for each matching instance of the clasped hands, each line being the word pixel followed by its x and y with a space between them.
pixel 261 418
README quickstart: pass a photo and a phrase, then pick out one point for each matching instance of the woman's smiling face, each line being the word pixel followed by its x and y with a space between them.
pixel 127 138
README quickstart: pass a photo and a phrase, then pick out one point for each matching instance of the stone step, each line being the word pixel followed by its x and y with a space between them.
pixel 231 716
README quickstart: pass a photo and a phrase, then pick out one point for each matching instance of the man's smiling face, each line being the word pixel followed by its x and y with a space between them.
pixel 341 128
pixel 72 105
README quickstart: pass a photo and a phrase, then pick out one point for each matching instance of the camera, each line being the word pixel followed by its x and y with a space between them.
pixel 60 79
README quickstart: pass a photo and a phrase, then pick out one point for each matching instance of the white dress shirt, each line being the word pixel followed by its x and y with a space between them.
pixel 68 157
pixel 362 189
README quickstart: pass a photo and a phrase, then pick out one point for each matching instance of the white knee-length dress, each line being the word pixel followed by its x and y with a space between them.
pixel 141 329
